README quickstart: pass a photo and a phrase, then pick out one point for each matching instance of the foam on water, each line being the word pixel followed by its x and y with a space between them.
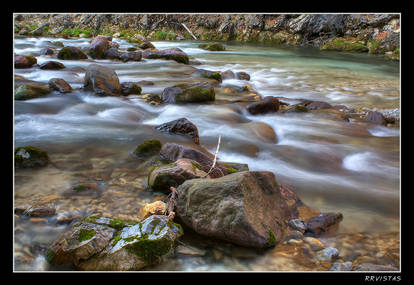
pixel 370 163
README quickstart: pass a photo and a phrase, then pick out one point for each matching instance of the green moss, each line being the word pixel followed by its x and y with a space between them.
pixel 148 147
pixel 68 53
pixel 215 75
pixel 196 166
pixel 76 32
pixel 116 239
pixel 231 170
pixel 86 234
pixel 79 187
pixel 213 46
pixel 164 35
pixel 156 184
pixel 30 91
pixel 117 224
pixel 150 250
pixel 341 45
pixel 50 254
pixel 396 52
pixel 196 94
pixel 131 49
pixel 300 108
pixel 33 27
pixel 272 238
pixel 37 157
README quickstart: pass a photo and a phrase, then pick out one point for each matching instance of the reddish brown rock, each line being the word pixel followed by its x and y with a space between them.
pixel 181 126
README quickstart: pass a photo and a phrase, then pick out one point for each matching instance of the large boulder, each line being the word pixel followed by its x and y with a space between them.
pixel 112 53
pixel 60 85
pixel 189 92
pixel 24 61
pixel 29 157
pixel 128 88
pixel 98 47
pixel 52 65
pixel 172 152
pixel 181 126
pixel 71 53
pixel 268 105
pixel 244 208
pixel 162 177
pixel 102 80
pixel 131 56
pixel 31 90
pixel 228 74
pixel 169 54
pixel 375 117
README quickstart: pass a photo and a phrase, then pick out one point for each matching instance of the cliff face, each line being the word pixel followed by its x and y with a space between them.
pixel 379 33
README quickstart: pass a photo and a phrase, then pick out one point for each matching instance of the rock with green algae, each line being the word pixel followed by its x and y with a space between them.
pixel 24 61
pixel 344 45
pixel 148 148
pixel 29 157
pixel 188 93
pixel 216 75
pixel 71 53
pixel 213 46
pixel 31 91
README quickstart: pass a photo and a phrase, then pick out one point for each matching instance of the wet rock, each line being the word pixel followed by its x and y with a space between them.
pixel 112 53
pixel 53 65
pixel 242 76
pixel 267 105
pixel 317 105
pixel 98 46
pixel 146 45
pixel 328 254
pixel 190 250
pixel 172 152
pixel 114 45
pixel 213 46
pixel 208 74
pixel 233 167
pixel 297 108
pixel 68 53
pixel 374 267
pixel 188 92
pixel 24 61
pixel 168 54
pixel 244 208
pixel 41 211
pixel 153 99
pixel 131 56
pixel 296 235
pixel 128 88
pixel 148 148
pixel 181 126
pixel 60 85
pixel 375 117
pixel 155 208
pixel 145 82
pixel 162 177
pixel 298 224
pixel 322 222
pixel 31 90
pixel 344 266
pixel 314 243
pixel 30 156
pixel 228 74
pixel 46 51
pixel 102 80
pixel 135 247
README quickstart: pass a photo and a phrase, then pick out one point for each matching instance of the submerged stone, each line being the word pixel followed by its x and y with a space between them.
pixel 29 156
pixel 213 46
pixel 148 148
pixel 189 92
pixel 180 126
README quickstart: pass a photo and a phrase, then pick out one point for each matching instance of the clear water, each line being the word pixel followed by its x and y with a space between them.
pixel 352 168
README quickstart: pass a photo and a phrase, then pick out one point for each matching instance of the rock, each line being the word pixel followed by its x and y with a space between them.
pixel 60 85
pixel 102 80
pixel 244 208
pixel 298 224
pixel 68 53
pixel 328 254
pixel 213 46
pixel 41 211
pixel 296 235
pixel 233 167
pixel 188 92
pixel 162 177
pixel 146 45
pixel 156 208
pixel 145 82
pixel 169 54
pixel 190 250
pixel 208 74
pixel 148 148
pixel 297 108
pixel 314 243
pixel 112 53
pixel 46 51
pixel 135 247
pixel 153 99
pixel 228 74
pixel 80 243
pixel 267 105
pixel 131 56
pixel 131 49
pixel 53 65
pixel 181 126
pixel 30 156
pixel 172 152
pixel 322 222
pixel 317 105
pixel 23 32
pixel 114 45
pixel 30 91
pixel 24 61
pixel 98 47
pixel 374 267
pixel 243 76
pixel 375 117
pixel 344 266
pixel 128 88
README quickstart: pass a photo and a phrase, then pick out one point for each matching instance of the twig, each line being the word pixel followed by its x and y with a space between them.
pixel 188 30
pixel 171 213
pixel 215 157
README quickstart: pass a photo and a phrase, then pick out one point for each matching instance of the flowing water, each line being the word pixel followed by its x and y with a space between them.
pixel 348 167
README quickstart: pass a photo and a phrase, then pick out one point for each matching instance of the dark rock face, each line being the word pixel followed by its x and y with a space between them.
pixel 311 25
pixel 71 53
pixel 317 105
pixel 376 118
pixel 128 88
pixel 267 105
pixel 102 80
pixel 244 208
pixel 228 74
pixel 189 92
pixel 31 90
pixel 131 56
pixel 169 54
pixel 29 157
pixel 181 126
pixel 112 53
pixel 98 46
pixel 146 45
pixel 243 76
pixel 46 51
pixel 322 222
pixel 24 61
pixel 172 152
pixel 53 65
pixel 60 85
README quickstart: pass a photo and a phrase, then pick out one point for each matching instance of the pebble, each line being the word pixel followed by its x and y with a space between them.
pixel 328 254
pixel 293 235
pixel 314 243
pixel 298 224
pixel 295 242
pixel 344 266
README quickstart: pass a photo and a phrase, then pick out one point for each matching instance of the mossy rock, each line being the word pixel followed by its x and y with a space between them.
pixel 30 91
pixel 213 46
pixel 132 49
pixel 29 157
pixel 71 53
pixel 341 45
pixel 187 93
pixel 148 148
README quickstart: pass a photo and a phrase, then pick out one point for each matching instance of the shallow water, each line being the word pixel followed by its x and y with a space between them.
pixel 333 165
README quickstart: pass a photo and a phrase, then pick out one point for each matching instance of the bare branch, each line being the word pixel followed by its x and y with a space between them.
pixel 215 157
